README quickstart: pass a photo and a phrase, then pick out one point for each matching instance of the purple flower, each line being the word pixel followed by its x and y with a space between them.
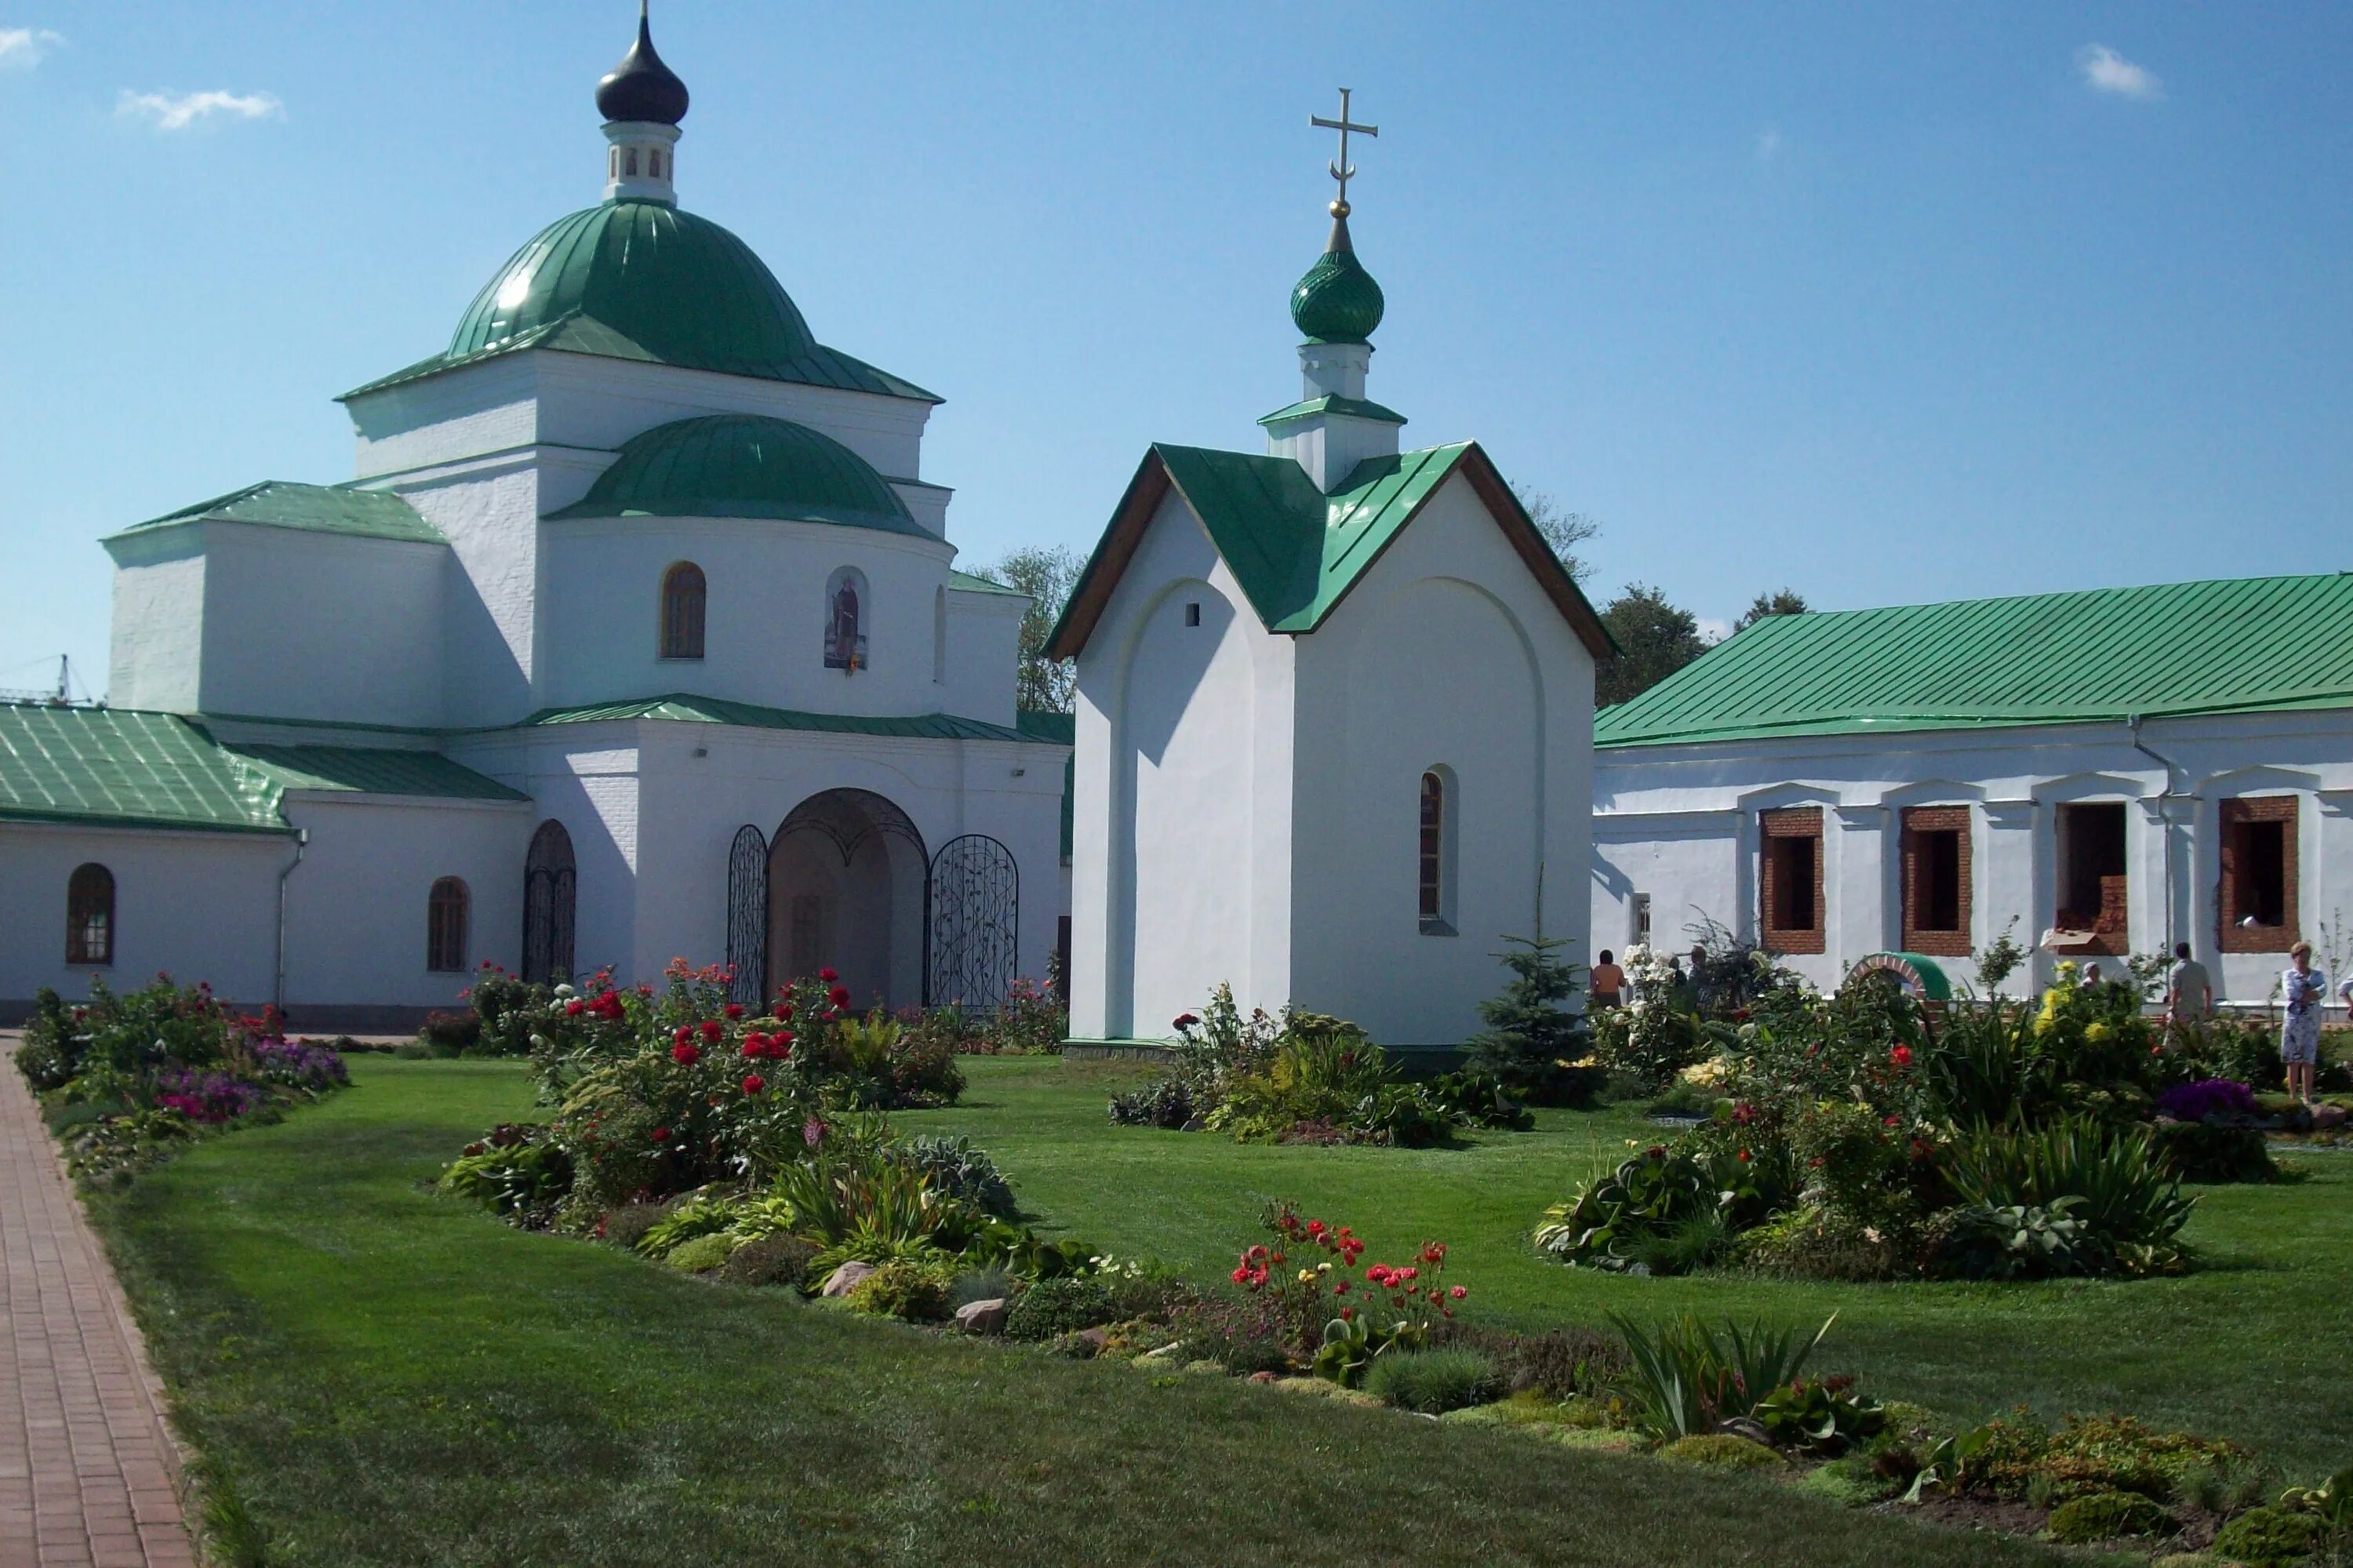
pixel 2202 1101
pixel 207 1096
pixel 299 1065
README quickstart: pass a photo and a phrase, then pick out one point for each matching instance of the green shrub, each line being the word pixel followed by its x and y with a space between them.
pixel 2106 1515
pixel 514 1171
pixel 1559 1364
pixel 1820 1416
pixel 1685 1376
pixel 2212 1153
pixel 770 1260
pixel 1605 1226
pixel 626 1226
pixel 1722 1450
pixel 701 1254
pixel 1433 1382
pixel 49 1055
pixel 991 1284
pixel 2130 1211
pixel 1813 1243
pixel 1532 1041
pixel 450 1033
pixel 1049 1309
pixel 954 1167
pixel 911 1291
pixel 686 1221
pixel 1163 1102
pixel 2267 1538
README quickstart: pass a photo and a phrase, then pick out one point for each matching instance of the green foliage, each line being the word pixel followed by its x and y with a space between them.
pixel 954 1168
pixel 1723 1451
pixel 515 1171
pixel 2013 1241
pixel 2128 1211
pixel 1049 1309
pixel 2108 1516
pixel 626 1226
pixel 2016 1457
pixel 1433 1382
pixel 1608 1225
pixel 1655 639
pixel 1532 1042
pixel 2210 1153
pixel 2268 1538
pixel 703 1255
pixel 1823 1415
pixel 686 1221
pixel 49 1053
pixel 769 1260
pixel 1162 1102
pixel 1685 1376
pixel 1046 573
pixel 1559 1364
pixel 914 1291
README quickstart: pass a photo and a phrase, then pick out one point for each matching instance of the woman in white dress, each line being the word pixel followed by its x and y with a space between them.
pixel 2307 991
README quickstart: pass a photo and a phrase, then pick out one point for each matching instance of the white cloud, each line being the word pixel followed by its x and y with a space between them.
pixel 1769 144
pixel 178 110
pixel 22 49
pixel 1713 630
pixel 2105 70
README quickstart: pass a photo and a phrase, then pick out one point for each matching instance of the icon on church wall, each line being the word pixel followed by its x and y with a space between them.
pixel 844 642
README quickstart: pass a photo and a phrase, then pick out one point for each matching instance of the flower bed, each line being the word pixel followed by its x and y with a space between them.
pixel 128 1079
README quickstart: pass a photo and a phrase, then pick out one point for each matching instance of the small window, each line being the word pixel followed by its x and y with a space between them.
pixel 445 927
pixel 629 163
pixel 1193 613
pixel 1641 919
pixel 1436 854
pixel 844 633
pixel 2095 888
pixel 653 163
pixel 939 636
pixel 1790 880
pixel 681 612
pixel 90 915
pixel 2257 901
pixel 1937 880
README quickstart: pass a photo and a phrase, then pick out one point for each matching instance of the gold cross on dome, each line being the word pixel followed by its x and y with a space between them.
pixel 1343 171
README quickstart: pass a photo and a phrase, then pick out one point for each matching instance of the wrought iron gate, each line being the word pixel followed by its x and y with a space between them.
pixel 972 919
pixel 549 895
pixel 747 917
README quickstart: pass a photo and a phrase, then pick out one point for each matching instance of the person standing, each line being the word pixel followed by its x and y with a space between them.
pixel 2307 993
pixel 2189 994
pixel 1608 981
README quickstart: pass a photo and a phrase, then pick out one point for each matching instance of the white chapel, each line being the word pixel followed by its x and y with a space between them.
pixel 637 634
pixel 1335 715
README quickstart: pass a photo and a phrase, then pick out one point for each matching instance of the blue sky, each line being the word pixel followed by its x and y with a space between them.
pixel 1886 303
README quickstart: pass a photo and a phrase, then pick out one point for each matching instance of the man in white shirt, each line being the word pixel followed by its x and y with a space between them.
pixel 2189 993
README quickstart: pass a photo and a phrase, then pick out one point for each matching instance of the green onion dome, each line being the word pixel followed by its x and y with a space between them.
pixel 745 465
pixel 1337 301
pixel 640 280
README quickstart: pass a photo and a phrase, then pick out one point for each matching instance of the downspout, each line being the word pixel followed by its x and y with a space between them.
pixel 278 993
pixel 2133 722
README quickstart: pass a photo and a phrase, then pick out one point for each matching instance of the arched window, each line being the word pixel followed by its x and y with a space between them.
pixel 1435 854
pixel 445 926
pixel 90 915
pixel 845 626
pixel 629 163
pixel 653 163
pixel 681 612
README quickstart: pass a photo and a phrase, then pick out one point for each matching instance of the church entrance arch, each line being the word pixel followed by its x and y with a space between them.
pixel 551 887
pixel 846 870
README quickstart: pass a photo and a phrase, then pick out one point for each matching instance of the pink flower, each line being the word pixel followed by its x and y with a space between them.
pixel 1459 1292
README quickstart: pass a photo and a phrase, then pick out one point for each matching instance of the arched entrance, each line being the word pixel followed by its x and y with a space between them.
pixel 846 878
pixel 550 893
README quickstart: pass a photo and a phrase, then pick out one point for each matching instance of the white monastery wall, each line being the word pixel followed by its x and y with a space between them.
pixel 489 513
pixel 585 777
pixel 1177 883
pixel 1446 656
pixel 355 926
pixel 155 659
pixel 203 905
pixel 983 652
pixel 1679 823
pixel 321 626
pixel 765 613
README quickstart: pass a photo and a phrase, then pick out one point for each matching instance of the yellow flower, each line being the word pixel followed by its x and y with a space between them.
pixel 1306 1276
pixel 2096 1033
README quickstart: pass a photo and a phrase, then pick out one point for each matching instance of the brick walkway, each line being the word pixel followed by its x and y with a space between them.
pixel 87 1469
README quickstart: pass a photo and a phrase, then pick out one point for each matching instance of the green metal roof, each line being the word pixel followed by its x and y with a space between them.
pixel 968 582
pixel 641 279
pixel 745 465
pixel 316 508
pixel 1332 403
pixel 685 708
pixel 132 768
pixel 2174 649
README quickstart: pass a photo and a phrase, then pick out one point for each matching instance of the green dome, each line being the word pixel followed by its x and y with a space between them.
pixel 1337 302
pixel 745 465
pixel 640 280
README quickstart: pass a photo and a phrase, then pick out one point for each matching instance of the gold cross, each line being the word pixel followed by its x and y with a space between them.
pixel 1343 171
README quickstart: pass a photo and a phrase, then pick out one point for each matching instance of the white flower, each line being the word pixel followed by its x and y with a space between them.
pixel 564 992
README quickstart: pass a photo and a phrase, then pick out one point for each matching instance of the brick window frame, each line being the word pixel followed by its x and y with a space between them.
pixel 2236 815
pixel 1918 822
pixel 1776 829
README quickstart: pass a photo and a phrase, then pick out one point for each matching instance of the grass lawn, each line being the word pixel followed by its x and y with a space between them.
pixel 2255 1346
pixel 379 1375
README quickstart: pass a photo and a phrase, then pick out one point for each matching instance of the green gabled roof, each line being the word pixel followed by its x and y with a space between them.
pixel 967 582
pixel 641 279
pixel 371 770
pixel 129 768
pixel 1295 551
pixel 2174 649
pixel 744 465
pixel 1333 403
pixel 685 708
pixel 315 508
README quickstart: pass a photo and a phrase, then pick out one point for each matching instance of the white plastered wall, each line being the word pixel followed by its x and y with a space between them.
pixel 157 657
pixel 984 651
pixel 301 624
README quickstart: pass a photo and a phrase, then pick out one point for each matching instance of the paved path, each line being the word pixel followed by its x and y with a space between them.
pixel 87 1469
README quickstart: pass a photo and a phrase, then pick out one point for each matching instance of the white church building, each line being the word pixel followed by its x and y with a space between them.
pixel 1334 718
pixel 637 634
pixel 2099 773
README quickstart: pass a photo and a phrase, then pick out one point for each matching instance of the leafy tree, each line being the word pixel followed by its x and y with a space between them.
pixel 1562 529
pixel 1781 601
pixel 1531 1040
pixel 1046 573
pixel 1655 639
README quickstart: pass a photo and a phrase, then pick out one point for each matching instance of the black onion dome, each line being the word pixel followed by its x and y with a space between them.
pixel 641 86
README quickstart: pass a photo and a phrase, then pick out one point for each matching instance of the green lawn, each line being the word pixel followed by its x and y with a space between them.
pixel 378 1375
pixel 2255 1346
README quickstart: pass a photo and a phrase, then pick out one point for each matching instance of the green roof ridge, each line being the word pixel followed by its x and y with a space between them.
pixel 973 582
pixel 312 508
pixel 1333 403
pixel 2086 655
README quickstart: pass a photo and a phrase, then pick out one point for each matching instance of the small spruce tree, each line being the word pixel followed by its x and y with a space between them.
pixel 1531 1040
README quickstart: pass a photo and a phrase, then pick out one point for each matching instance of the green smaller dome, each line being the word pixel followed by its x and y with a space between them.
pixel 745 465
pixel 1337 301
